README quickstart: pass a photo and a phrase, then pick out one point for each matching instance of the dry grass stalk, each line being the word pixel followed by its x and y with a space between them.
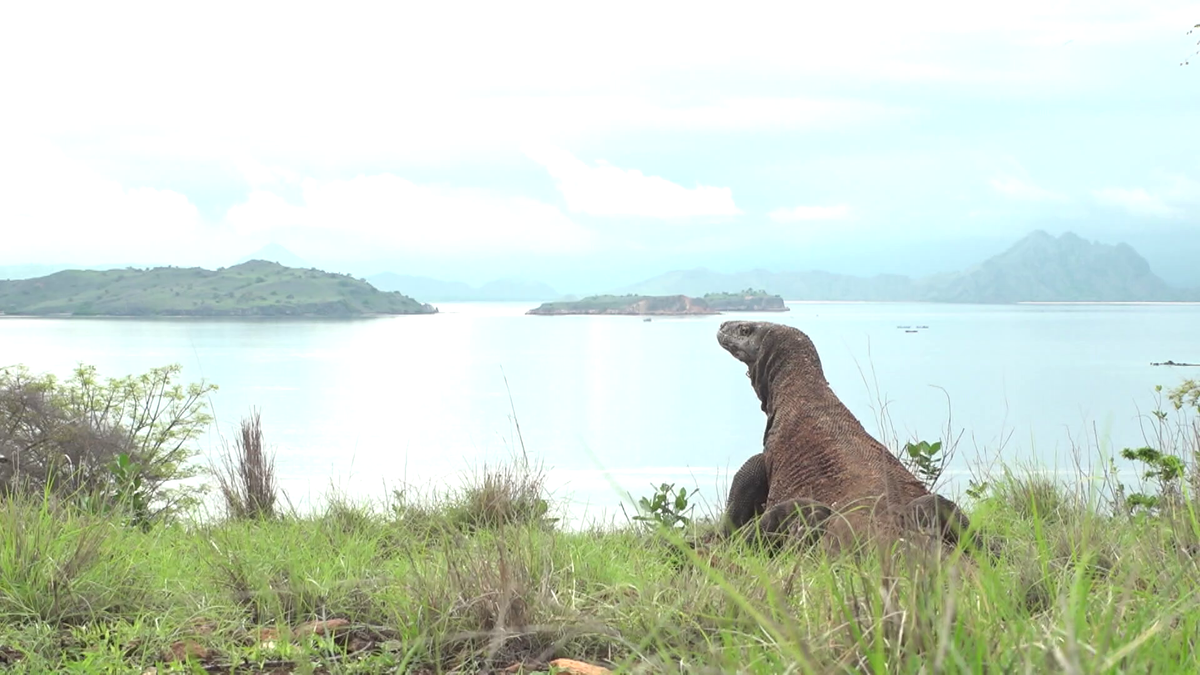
pixel 246 477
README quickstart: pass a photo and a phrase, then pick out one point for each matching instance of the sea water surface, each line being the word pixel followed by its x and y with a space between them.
pixel 613 403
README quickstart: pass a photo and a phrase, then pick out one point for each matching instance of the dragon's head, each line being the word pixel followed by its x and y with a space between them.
pixel 767 347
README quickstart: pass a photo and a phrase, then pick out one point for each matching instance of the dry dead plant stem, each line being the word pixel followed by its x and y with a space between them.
pixel 246 476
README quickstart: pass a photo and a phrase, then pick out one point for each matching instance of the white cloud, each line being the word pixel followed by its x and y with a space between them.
pixel 387 213
pixel 56 210
pixel 1181 189
pixel 1016 188
pixel 499 74
pixel 606 190
pixel 141 87
pixel 259 175
pixel 746 112
pixel 810 213
pixel 1137 201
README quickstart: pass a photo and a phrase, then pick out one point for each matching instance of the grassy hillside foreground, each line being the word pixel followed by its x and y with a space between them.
pixel 254 288
pixel 482 580
pixel 417 590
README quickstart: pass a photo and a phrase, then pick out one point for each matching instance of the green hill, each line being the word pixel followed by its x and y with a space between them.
pixel 253 288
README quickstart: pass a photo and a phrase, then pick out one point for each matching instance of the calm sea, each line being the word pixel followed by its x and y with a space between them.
pixel 606 401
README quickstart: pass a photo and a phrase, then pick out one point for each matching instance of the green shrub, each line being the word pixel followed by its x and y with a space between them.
pixel 667 507
pixel 108 444
pixel 512 493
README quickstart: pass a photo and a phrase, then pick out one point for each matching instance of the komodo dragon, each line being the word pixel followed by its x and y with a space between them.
pixel 817 458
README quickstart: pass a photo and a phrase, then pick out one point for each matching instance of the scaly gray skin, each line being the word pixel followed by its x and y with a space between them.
pixel 800 522
pixel 815 449
pixel 933 514
pixel 747 494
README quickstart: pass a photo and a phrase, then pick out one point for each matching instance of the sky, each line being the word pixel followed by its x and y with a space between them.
pixel 592 145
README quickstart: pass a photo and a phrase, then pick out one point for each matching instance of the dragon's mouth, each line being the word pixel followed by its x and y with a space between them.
pixel 734 346
pixel 737 352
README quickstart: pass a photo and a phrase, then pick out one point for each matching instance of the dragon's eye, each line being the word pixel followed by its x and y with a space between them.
pixel 745 329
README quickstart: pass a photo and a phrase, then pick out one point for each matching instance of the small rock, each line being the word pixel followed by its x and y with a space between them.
pixel 328 627
pixel 579 667
pixel 186 649
pixel 266 637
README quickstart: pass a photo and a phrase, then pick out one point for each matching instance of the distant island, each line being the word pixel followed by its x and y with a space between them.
pixel 253 288
pixel 748 300
pixel 627 304
pixel 712 303
pixel 1037 268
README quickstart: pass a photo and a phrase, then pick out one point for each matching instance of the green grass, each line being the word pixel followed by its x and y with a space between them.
pixel 482 579
pixel 254 288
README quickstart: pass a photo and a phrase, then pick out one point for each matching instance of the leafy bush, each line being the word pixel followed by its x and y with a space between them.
pixel 1186 394
pixel 1170 455
pixel 926 460
pixel 667 508
pixel 108 444
pixel 1164 469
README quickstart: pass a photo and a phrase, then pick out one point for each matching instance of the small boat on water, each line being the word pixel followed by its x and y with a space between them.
pixel 646 320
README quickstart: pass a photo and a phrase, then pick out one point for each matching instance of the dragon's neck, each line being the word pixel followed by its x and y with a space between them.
pixel 773 377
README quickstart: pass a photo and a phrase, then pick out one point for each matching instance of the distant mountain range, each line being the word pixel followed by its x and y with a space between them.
pixel 1038 268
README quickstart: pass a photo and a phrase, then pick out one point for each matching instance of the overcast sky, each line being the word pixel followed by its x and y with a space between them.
pixel 477 140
